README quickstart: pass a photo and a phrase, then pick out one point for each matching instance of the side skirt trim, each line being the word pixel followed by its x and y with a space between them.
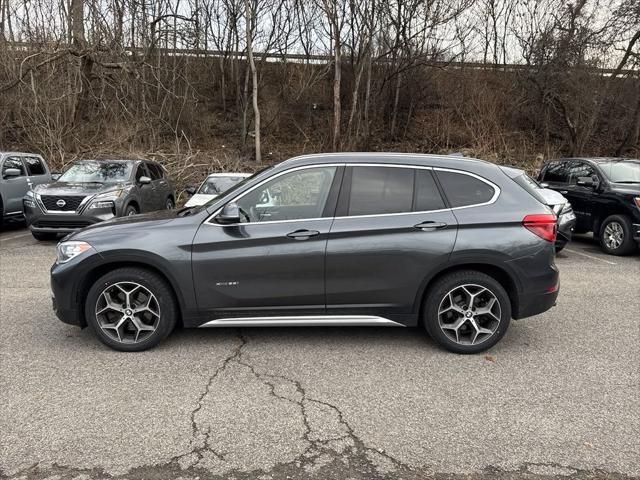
pixel 303 321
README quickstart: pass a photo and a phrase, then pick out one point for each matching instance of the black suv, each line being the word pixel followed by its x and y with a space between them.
pixel 453 245
pixel 92 191
pixel 605 196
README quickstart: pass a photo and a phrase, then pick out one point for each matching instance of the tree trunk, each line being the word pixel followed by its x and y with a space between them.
pixel 250 20
pixel 633 134
pixel 337 78
pixel 86 63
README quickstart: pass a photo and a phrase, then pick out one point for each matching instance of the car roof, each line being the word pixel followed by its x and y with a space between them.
pixel 593 159
pixel 20 153
pixel 452 161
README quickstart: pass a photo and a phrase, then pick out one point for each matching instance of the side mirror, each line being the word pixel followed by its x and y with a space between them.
pixel 55 176
pixel 144 180
pixel 587 182
pixel 190 190
pixel 230 214
pixel 11 172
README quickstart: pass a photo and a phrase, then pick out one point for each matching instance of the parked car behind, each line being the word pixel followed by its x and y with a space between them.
pixel 214 185
pixel 92 191
pixel 554 200
pixel 449 244
pixel 605 195
pixel 19 173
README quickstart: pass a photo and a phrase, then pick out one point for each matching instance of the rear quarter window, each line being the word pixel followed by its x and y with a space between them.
pixel 463 190
pixel 530 186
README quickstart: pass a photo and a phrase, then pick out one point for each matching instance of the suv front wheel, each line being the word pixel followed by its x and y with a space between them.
pixel 131 309
pixel 616 237
pixel 467 312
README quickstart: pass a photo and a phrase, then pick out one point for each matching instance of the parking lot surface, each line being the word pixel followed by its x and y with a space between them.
pixel 558 396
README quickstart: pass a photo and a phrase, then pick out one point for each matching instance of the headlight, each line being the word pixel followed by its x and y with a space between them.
pixel 68 250
pixel 29 200
pixel 106 200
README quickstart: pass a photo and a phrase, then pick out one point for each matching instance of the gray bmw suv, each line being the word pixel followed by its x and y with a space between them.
pixel 92 191
pixel 453 245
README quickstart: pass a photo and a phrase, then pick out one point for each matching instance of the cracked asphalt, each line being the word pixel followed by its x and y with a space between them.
pixel 557 397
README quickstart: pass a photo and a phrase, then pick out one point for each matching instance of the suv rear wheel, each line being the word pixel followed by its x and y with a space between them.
pixel 467 312
pixel 616 237
pixel 131 309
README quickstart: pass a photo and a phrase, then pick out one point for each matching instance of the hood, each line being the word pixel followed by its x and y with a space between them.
pixel 199 199
pixel 67 188
pixel 551 197
pixel 135 222
pixel 628 188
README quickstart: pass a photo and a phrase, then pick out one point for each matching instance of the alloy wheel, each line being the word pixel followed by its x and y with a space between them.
pixel 613 235
pixel 127 312
pixel 469 314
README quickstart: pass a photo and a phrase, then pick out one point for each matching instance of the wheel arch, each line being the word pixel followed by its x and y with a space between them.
pixel 99 270
pixel 498 273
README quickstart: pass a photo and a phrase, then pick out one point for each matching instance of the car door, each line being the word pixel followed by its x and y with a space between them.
pixel 159 186
pixel 13 188
pixel 392 228
pixel 581 197
pixel 37 171
pixel 146 192
pixel 272 262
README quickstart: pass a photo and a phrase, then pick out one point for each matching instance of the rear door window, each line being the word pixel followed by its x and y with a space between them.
pixel 556 172
pixel 380 190
pixel 35 166
pixel 155 171
pixel 464 190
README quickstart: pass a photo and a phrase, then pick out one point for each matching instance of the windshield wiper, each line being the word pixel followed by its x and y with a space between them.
pixel 185 211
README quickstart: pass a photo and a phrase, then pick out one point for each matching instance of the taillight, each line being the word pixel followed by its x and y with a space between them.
pixel 543 225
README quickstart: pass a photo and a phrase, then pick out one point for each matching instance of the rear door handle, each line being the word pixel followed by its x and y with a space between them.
pixel 303 234
pixel 430 226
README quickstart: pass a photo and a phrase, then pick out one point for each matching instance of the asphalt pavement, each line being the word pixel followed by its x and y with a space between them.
pixel 558 396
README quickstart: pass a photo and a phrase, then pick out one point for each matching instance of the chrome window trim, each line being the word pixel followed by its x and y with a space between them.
pixel 494 198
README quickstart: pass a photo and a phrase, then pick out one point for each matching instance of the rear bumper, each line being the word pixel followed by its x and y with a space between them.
pixel 535 304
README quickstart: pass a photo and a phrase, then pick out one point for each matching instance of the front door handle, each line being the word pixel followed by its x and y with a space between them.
pixel 430 226
pixel 303 234
pixel 563 192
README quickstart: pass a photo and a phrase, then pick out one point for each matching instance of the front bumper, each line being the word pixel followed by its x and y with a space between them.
pixel 68 287
pixel 566 224
pixel 67 222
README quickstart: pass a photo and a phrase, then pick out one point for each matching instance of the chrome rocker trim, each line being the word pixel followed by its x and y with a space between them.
pixel 303 321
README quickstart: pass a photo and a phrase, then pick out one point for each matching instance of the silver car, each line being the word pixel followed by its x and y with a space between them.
pixel 92 191
pixel 19 173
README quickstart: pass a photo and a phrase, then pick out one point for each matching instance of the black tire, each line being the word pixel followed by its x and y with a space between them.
pixel 158 286
pixel 169 204
pixel 452 281
pixel 44 236
pixel 560 247
pixel 130 210
pixel 628 244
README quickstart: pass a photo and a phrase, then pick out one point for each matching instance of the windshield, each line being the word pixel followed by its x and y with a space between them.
pixel 218 185
pixel 97 172
pixel 622 171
